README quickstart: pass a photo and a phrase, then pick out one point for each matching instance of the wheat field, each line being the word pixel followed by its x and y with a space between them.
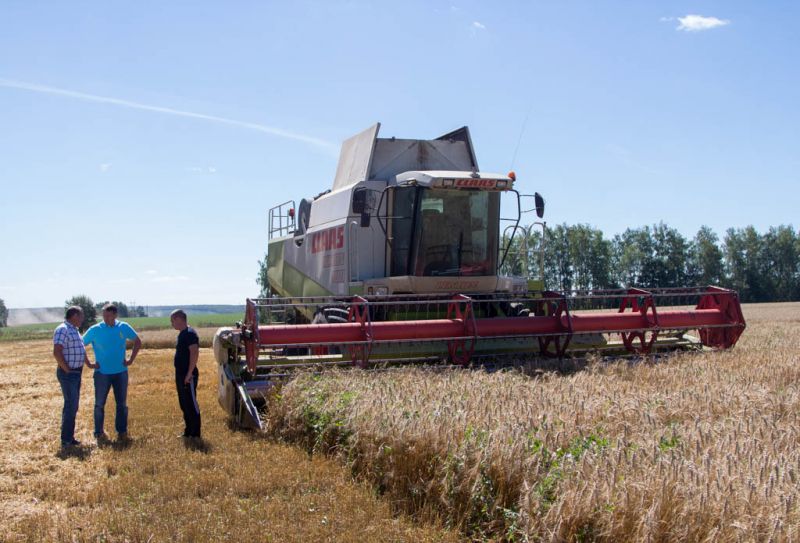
pixel 688 448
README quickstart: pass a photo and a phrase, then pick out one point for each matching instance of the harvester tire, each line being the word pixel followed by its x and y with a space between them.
pixel 330 315
pixel 519 310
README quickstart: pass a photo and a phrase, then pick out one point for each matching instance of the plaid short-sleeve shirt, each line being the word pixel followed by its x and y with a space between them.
pixel 68 336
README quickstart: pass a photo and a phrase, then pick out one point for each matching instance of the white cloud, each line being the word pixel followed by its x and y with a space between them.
pixel 33 87
pixel 696 23
pixel 105 167
pixel 201 169
pixel 169 279
pixel 121 281
pixel 151 272
pixel 478 25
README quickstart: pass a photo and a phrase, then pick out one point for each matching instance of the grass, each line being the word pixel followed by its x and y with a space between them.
pixel 236 486
pixel 691 448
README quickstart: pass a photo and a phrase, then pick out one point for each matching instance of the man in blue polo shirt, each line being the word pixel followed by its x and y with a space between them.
pixel 108 339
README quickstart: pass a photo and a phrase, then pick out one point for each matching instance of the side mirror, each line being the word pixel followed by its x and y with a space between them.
pixel 359 201
pixel 539 204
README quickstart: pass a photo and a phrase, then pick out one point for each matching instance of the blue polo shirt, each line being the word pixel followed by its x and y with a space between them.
pixel 108 343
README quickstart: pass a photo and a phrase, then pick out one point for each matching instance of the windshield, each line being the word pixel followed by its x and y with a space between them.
pixel 444 232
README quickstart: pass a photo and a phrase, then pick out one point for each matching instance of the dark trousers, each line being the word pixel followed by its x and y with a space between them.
pixel 187 398
pixel 71 388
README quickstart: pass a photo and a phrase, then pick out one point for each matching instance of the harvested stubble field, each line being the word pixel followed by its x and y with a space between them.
pixel 691 448
pixel 236 486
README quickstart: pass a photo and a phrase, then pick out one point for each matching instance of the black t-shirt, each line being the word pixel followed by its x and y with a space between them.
pixel 186 338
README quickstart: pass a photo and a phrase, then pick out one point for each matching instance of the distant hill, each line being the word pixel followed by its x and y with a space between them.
pixel 35 315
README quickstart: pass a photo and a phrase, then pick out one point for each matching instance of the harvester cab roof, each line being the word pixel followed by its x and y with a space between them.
pixel 456 180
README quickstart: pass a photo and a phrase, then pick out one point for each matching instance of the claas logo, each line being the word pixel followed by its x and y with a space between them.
pixel 476 183
pixel 328 240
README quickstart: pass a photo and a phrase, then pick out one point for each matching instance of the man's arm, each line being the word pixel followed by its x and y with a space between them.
pixel 89 362
pixel 194 353
pixel 58 354
pixel 88 337
pixel 137 344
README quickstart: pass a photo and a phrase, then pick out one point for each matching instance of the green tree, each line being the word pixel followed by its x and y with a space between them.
pixel 651 257
pixel 669 259
pixel 558 273
pixel 705 259
pixel 261 280
pixel 137 311
pixel 782 263
pixel 89 311
pixel 122 308
pixel 590 257
pixel 633 257
pixel 3 314
pixel 745 264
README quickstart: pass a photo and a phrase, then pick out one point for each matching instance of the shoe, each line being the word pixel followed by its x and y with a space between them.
pixel 75 443
pixel 102 439
pixel 123 437
pixel 183 436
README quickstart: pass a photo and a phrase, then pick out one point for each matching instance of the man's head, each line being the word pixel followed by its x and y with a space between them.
pixel 74 315
pixel 109 314
pixel 178 319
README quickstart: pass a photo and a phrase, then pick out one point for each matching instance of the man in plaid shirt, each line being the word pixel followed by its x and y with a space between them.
pixel 70 354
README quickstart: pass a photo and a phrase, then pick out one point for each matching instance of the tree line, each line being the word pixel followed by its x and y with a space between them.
pixel 761 267
pixel 90 310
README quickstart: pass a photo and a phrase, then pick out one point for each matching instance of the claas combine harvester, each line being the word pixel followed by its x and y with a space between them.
pixel 400 262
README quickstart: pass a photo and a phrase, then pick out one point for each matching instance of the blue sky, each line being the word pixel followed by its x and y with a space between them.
pixel 141 144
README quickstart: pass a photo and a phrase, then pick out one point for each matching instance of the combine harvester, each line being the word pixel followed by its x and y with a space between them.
pixel 400 263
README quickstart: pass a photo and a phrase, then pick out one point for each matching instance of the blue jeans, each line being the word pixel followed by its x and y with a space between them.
pixel 102 384
pixel 71 388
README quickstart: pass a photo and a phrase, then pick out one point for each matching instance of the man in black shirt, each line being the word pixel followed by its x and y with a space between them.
pixel 187 351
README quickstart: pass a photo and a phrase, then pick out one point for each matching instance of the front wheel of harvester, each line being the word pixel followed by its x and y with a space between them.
pixel 328 315
pixel 520 310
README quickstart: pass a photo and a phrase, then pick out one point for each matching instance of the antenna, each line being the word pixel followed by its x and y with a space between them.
pixel 519 139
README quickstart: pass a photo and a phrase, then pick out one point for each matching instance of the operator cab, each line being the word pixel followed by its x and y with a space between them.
pixel 445 223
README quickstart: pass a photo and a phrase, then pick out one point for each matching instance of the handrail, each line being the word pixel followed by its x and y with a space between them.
pixel 281 220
